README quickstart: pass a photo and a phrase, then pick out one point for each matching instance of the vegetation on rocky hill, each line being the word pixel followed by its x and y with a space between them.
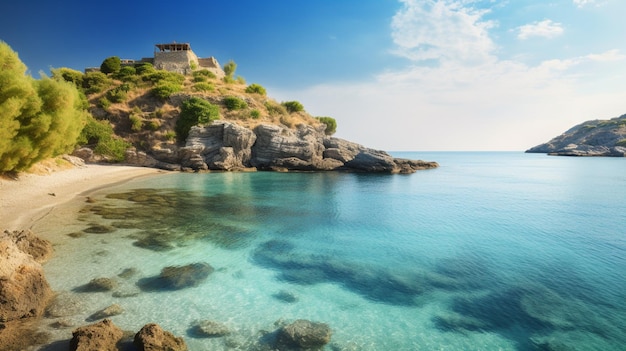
pixel 123 106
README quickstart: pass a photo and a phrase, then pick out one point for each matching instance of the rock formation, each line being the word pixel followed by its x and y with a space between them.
pixel 103 335
pixel 227 146
pixel 591 138
pixel 24 291
pixel 153 338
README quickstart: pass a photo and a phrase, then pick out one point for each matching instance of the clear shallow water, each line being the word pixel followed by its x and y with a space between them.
pixel 491 251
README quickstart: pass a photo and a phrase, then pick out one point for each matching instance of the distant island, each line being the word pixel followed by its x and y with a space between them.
pixel 590 138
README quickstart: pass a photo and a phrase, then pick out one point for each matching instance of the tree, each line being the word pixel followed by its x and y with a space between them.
pixel 229 68
pixel 111 65
pixel 194 111
pixel 331 124
pixel 38 118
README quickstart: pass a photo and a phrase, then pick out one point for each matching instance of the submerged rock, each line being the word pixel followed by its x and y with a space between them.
pixel 210 329
pixel 153 338
pixel 99 285
pixel 177 277
pixel 110 311
pixel 304 334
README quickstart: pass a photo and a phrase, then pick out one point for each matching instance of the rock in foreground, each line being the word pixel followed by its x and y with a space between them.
pixel 304 334
pixel 591 138
pixel 24 291
pixel 152 338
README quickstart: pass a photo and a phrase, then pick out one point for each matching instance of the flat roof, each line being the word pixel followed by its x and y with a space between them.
pixel 174 47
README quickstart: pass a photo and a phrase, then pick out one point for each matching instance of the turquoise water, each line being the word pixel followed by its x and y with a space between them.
pixel 491 251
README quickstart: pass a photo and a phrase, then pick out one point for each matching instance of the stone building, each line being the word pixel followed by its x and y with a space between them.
pixel 176 57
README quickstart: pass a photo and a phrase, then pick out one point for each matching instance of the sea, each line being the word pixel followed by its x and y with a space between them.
pixel 490 251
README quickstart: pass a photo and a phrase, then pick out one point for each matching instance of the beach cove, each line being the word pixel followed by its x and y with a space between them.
pixel 491 251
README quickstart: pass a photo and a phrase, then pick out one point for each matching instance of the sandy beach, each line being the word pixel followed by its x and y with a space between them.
pixel 25 200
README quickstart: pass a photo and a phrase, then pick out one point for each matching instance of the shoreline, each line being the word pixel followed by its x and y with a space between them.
pixel 23 202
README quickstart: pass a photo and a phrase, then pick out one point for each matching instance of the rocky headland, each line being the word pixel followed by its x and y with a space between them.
pixel 590 138
pixel 226 146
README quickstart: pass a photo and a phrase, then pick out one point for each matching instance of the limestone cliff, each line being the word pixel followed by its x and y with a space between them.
pixel 591 138
pixel 229 147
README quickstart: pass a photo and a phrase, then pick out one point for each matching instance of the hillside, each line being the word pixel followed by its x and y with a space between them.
pixel 590 138
pixel 203 121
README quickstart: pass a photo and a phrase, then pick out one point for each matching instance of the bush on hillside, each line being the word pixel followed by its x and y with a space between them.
pixel 229 68
pixel 204 73
pixel 99 135
pixel 255 114
pixel 234 103
pixel 161 76
pixel 68 75
pixel 164 90
pixel 142 68
pixel 117 95
pixel 194 111
pixel 275 109
pixel 126 73
pixel 203 86
pixel 255 89
pixel 331 124
pixel 95 82
pixel 111 65
pixel 293 106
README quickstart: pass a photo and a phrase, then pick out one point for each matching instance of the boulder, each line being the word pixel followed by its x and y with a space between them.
pixel 24 291
pixel 220 146
pixel 179 277
pixel 153 338
pixel 102 336
pixel 304 334
pixel 298 149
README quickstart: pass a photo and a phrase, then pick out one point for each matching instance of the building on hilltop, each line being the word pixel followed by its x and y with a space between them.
pixel 176 57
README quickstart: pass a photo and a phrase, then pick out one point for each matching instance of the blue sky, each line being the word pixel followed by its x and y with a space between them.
pixel 396 74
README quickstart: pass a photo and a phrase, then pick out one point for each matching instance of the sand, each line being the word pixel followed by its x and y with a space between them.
pixel 29 198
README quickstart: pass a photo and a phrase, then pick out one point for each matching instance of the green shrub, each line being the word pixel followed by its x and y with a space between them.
pixel 158 113
pixel 99 135
pixel 117 95
pixel 203 86
pixel 621 143
pixel 136 123
pixel 68 75
pixel 164 90
pixel 241 80
pixel 161 76
pixel 126 73
pixel 95 82
pixel 200 79
pixel 293 106
pixel 104 103
pixel 255 114
pixel 255 89
pixel 228 80
pixel 143 68
pixel 275 109
pixel 234 103
pixel 229 68
pixel 331 124
pixel 194 111
pixel 111 65
pixel 204 73
pixel 153 125
pixel 170 135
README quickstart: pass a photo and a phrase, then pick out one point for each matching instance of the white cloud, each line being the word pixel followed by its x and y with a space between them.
pixel 546 28
pixel 440 30
pixel 468 99
pixel 582 3
pixel 608 56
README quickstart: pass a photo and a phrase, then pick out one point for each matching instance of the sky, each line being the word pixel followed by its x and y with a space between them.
pixel 397 75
